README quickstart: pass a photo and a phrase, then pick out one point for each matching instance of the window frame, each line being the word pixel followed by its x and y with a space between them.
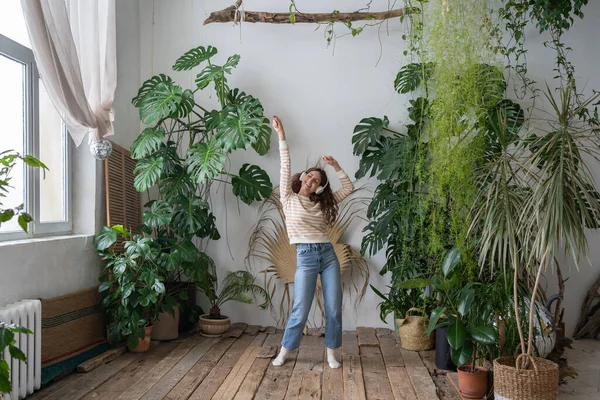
pixel 23 55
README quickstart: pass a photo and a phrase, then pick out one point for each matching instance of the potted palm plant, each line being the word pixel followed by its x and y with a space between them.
pixel 237 286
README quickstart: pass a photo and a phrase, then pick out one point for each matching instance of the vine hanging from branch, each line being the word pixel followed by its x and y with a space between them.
pixel 233 14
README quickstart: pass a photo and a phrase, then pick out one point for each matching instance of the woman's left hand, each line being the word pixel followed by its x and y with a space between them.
pixel 331 161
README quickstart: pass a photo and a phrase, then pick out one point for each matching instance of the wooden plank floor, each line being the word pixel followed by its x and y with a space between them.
pixel 374 367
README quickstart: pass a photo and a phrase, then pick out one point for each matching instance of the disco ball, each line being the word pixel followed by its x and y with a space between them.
pixel 101 150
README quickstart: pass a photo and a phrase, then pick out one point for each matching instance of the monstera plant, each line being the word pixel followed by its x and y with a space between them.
pixel 184 149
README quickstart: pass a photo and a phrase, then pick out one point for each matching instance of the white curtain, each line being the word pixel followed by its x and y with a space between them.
pixel 74 43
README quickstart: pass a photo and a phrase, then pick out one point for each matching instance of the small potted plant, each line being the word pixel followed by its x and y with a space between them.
pixel 132 287
pixel 411 328
pixel 237 286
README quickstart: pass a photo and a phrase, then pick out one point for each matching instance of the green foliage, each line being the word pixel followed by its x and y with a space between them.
pixel 237 286
pixel 7 339
pixel 8 160
pixel 410 76
pixel 183 151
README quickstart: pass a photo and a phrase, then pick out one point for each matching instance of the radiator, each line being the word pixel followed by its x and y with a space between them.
pixel 25 378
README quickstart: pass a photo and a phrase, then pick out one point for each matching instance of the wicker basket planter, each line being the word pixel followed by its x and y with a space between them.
pixel 538 382
pixel 412 332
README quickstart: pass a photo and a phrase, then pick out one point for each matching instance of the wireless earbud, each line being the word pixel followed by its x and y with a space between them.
pixel 319 189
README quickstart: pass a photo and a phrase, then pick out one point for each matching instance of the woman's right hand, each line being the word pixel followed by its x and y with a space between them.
pixel 278 126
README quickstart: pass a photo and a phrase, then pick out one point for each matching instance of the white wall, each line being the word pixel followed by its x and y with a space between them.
pixel 320 94
pixel 55 266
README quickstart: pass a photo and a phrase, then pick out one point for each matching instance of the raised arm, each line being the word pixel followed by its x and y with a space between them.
pixel 347 186
pixel 285 180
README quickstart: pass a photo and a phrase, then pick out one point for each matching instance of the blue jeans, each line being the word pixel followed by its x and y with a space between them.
pixel 314 259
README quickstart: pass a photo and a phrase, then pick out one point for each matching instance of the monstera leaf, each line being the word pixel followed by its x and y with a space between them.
pixel 194 57
pixel 370 161
pixel 159 214
pixel 148 86
pixel 204 161
pixel 147 143
pixel 185 106
pixel 410 76
pixel 263 140
pixel 176 184
pixel 210 73
pixel 367 133
pixel 148 171
pixel 252 184
pixel 240 127
pixel 163 100
pixel 192 217
pixel 105 238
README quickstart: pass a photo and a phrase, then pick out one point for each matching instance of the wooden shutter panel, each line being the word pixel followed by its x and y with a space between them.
pixel 123 202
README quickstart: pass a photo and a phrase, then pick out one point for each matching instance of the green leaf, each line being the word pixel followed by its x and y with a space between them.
pixel 5 385
pixel 210 73
pixel 175 184
pixel 240 126
pixel 252 184
pixel 292 18
pixel 204 161
pixel 185 106
pixel 148 171
pixel 451 260
pixel 7 215
pixel 193 217
pixel 34 162
pixel 160 214
pixel 462 355
pixel 263 140
pixel 466 301
pixel 148 86
pixel 132 341
pixel 105 238
pixel 434 318
pixel 15 352
pixel 456 333
pixel 104 286
pixel 147 143
pixel 367 133
pixel 158 286
pixel 163 100
pixel 7 338
pixel 23 220
pixel 232 62
pixel 484 334
pixel 410 77
pixel 194 57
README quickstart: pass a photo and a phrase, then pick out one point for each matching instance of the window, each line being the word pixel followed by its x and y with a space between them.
pixel 31 125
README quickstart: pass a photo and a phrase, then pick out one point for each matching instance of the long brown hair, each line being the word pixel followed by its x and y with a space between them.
pixel 325 199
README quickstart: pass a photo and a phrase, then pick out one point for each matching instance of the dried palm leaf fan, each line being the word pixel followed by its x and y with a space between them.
pixel 270 243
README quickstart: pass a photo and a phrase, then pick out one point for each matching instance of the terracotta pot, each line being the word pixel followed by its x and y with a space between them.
pixel 167 326
pixel 472 385
pixel 143 343
pixel 213 327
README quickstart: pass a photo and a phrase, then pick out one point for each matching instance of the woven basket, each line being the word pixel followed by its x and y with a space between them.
pixel 412 332
pixel 513 383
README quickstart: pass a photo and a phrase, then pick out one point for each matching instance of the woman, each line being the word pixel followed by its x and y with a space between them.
pixel 310 206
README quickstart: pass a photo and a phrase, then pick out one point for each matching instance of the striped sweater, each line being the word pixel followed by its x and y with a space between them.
pixel 304 219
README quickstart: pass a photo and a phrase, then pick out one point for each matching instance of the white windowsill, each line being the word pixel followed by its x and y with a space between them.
pixel 21 242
